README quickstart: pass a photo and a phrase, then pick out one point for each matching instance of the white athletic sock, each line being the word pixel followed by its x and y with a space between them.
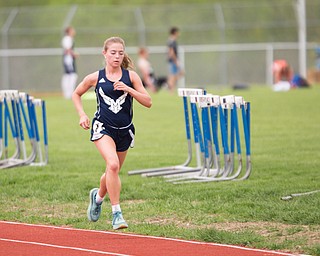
pixel 116 208
pixel 99 199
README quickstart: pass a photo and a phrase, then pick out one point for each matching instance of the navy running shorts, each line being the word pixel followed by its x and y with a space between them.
pixel 123 137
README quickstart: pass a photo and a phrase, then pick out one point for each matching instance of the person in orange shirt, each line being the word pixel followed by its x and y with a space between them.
pixel 281 71
pixel 282 75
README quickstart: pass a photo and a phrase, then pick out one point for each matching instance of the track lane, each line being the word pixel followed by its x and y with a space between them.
pixel 19 239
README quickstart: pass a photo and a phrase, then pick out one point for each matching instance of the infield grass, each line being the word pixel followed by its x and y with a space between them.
pixel 285 145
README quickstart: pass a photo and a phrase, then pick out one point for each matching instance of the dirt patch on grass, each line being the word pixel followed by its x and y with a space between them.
pixel 277 232
pixel 48 210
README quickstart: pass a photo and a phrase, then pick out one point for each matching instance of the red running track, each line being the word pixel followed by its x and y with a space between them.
pixel 19 239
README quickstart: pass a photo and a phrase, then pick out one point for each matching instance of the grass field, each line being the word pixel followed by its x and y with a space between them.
pixel 285 136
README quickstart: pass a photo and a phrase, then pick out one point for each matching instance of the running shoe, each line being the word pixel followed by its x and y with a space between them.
pixel 118 221
pixel 94 209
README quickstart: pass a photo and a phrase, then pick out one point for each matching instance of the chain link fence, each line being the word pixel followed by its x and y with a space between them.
pixel 221 43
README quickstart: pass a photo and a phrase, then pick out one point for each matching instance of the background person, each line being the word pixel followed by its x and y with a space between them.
pixel 112 130
pixel 175 71
pixel 317 62
pixel 69 78
pixel 148 77
pixel 281 71
pixel 316 74
pixel 282 75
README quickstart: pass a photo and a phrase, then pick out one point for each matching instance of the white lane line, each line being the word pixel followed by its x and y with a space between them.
pixel 63 247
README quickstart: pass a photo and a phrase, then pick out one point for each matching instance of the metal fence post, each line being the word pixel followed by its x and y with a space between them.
pixel 5 59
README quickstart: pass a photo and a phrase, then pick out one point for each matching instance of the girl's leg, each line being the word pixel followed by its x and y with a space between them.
pixel 110 180
pixel 114 161
pixel 102 188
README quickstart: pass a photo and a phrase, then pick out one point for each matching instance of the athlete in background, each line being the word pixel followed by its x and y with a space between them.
pixel 70 76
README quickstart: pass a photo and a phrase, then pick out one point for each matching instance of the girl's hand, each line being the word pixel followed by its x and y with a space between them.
pixel 120 86
pixel 84 122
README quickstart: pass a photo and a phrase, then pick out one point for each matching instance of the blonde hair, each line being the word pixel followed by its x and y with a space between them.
pixel 127 62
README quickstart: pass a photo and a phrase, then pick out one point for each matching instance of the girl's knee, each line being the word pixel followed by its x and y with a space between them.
pixel 113 167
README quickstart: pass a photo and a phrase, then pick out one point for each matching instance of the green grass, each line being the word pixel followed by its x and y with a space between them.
pixel 285 158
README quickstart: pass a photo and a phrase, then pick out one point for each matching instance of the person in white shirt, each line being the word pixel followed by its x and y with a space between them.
pixel 70 76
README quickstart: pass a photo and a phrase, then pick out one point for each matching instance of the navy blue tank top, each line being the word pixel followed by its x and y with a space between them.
pixel 114 108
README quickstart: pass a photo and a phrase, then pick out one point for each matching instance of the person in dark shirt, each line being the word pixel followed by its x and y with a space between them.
pixel 175 70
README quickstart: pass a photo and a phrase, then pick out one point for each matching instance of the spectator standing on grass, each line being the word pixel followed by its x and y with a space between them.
pixel 317 50
pixel 316 75
pixel 112 130
pixel 175 70
pixel 148 77
pixel 69 77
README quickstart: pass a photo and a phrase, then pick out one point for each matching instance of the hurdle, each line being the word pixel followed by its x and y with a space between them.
pixel 210 157
pixel 10 119
pixel 228 106
pixel 41 151
pixel 20 117
pixel 184 167
pixel 203 135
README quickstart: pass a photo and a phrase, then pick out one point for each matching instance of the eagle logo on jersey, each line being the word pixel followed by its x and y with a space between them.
pixel 115 106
